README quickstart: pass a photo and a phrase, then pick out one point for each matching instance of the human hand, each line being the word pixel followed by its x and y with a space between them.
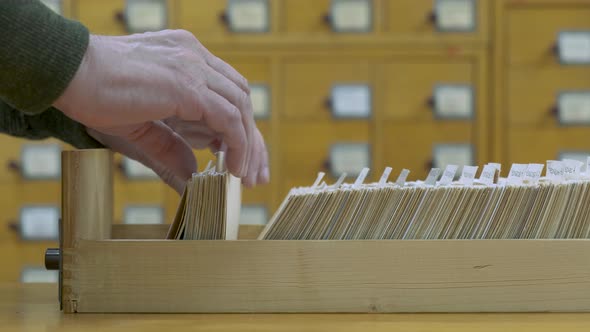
pixel 150 92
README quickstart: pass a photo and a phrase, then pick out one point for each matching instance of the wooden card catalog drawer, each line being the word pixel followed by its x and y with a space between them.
pixel 419 147
pixel 310 87
pixel 437 18
pixel 309 148
pixel 538 35
pixel 106 17
pixel 548 97
pixel 429 91
pixel 327 17
pixel 529 145
pixel 207 18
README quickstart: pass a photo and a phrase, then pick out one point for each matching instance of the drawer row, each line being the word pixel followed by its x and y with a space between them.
pixel 264 18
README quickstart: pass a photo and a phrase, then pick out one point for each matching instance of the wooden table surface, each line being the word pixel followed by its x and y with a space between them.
pixel 34 308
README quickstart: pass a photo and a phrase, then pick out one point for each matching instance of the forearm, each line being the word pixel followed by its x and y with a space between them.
pixel 50 123
pixel 40 54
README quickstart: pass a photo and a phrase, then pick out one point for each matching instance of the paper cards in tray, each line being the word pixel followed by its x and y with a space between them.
pixel 522 206
pixel 210 206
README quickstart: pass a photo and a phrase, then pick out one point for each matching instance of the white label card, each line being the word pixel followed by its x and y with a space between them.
pixel 260 96
pixel 54 5
pixel 39 223
pixel 533 173
pixel 487 175
pixel 253 215
pixel 142 215
pixel 555 170
pixel 351 15
pixel 432 176
pixel 517 173
pixel 468 175
pixel 571 168
pixel 136 170
pixel 448 175
pixel 574 47
pixel 574 108
pixel 146 15
pixel 403 176
pixel 41 161
pixel 455 154
pixel 248 15
pixel 351 101
pixel 455 15
pixel 38 275
pixel 349 158
pixel 453 101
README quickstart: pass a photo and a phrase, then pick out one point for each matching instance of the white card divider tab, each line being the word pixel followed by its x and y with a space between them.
pixel 533 173
pixel 384 176
pixel 432 177
pixel 487 174
pixel 403 176
pixel 448 175
pixel 468 175
pixel 555 170
pixel 571 169
pixel 318 180
pixel 517 173
pixel 340 181
pixel 361 178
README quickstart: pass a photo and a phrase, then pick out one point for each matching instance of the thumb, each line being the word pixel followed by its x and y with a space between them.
pixel 160 143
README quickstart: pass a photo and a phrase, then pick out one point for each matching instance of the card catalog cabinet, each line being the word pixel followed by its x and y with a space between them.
pixel 542 87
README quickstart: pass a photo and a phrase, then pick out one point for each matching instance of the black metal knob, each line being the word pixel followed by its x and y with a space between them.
pixel 52 257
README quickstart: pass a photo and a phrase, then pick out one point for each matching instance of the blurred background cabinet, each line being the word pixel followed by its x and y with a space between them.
pixel 338 85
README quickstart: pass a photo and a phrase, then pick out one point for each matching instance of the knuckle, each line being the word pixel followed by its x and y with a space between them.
pixel 233 114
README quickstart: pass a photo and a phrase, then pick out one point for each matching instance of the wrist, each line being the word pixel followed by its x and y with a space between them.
pixel 71 101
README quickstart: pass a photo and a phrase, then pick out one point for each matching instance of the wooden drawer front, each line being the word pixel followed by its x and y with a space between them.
pixel 107 17
pixel 418 19
pixel 533 31
pixel 410 86
pixel 207 18
pixel 308 83
pixel 528 145
pixel 533 94
pixel 101 16
pixel 305 150
pixel 46 156
pixel 412 146
pixel 312 17
pixel 13 197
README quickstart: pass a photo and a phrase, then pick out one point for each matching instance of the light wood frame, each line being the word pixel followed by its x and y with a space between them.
pixel 103 273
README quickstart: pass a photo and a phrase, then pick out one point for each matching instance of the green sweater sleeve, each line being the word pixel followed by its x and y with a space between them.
pixel 40 54
pixel 50 123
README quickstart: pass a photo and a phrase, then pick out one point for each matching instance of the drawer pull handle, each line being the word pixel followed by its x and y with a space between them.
pixel 429 164
pixel 52 256
pixel 224 18
pixel 14 166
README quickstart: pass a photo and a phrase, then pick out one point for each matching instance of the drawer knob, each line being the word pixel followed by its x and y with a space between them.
pixel 14 226
pixel 429 164
pixel 327 165
pixel 431 17
pixel 120 17
pixel 328 104
pixel 52 256
pixel 224 18
pixel 554 111
pixel 430 102
pixel 327 19
pixel 14 166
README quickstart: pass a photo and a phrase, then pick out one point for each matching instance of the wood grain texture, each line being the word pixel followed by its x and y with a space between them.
pixel 25 308
pixel 87 205
pixel 331 276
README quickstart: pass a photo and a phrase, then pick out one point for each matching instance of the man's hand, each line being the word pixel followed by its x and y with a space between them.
pixel 160 93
